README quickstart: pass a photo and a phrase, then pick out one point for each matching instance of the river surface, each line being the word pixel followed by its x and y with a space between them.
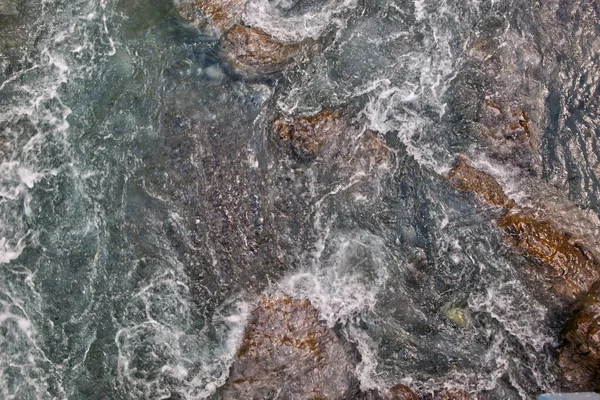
pixel 145 203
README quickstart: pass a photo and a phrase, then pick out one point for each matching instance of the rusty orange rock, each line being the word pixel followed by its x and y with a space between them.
pixel 465 177
pixel 559 261
pixel 579 357
pixel 330 136
pixel 307 135
pixel 565 265
pixel 453 394
pixel 219 14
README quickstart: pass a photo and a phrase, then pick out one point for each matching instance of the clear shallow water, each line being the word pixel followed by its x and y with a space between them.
pixel 145 204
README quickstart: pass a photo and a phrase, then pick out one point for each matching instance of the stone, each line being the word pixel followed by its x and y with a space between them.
pixel 253 51
pixel 328 135
pixel 564 264
pixel 558 260
pixel 287 352
pixel 579 357
pixel 308 135
pixel 218 15
pixel 464 177
pixel 401 392
pixel 452 394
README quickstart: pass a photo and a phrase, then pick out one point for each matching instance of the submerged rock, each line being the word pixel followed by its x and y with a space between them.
pixel 287 352
pixel 579 357
pixel 559 261
pixel 452 394
pixel 308 136
pixel 566 266
pixel 8 7
pixel 465 177
pixel 252 50
pixel 328 135
pixel 216 14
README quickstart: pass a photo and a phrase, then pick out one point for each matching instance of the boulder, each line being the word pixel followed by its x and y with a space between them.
pixel 452 394
pixel 287 352
pixel 253 51
pixel 558 260
pixel 308 136
pixel 218 15
pixel 328 135
pixel 464 177
pixel 567 268
pixel 579 357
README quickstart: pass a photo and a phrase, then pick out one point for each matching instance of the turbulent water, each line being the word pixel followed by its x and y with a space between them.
pixel 145 203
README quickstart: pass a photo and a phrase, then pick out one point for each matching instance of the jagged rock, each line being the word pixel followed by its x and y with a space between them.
pixel 401 392
pixel 216 14
pixel 252 50
pixel 287 352
pixel 329 135
pixel 452 394
pixel 566 266
pixel 561 262
pixel 579 358
pixel 465 177
pixel 307 136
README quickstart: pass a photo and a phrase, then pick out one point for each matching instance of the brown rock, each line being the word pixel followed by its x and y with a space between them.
pixel 218 14
pixel 397 392
pixel 287 352
pixel 580 354
pixel 252 50
pixel 565 266
pixel 465 177
pixel 561 262
pixel 452 394
pixel 307 135
pixel 328 135
pixel 401 392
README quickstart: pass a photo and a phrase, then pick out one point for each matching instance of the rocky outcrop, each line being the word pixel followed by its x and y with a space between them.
pixel 559 261
pixel 217 15
pixel 253 51
pixel 287 352
pixel 452 394
pixel 249 49
pixel 329 135
pixel 465 177
pixel 579 357
pixel 308 137
pixel 566 267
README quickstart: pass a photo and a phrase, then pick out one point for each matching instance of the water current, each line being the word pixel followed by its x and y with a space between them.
pixel 145 204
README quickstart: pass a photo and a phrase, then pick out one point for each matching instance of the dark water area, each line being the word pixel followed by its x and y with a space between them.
pixel 146 202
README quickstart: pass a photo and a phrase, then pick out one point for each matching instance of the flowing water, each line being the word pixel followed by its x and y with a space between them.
pixel 145 204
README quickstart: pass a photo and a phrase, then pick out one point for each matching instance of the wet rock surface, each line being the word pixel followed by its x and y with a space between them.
pixel 453 394
pixel 252 50
pixel 567 268
pixel 558 260
pixel 467 178
pixel 288 353
pixel 329 135
pixel 216 14
pixel 580 354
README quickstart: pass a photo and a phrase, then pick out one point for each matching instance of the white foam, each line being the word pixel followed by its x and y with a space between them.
pixel 346 281
pixel 272 18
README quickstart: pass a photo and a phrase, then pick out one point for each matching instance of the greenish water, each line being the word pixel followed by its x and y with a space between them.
pixel 145 204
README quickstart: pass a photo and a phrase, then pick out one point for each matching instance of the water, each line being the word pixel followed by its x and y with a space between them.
pixel 146 204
